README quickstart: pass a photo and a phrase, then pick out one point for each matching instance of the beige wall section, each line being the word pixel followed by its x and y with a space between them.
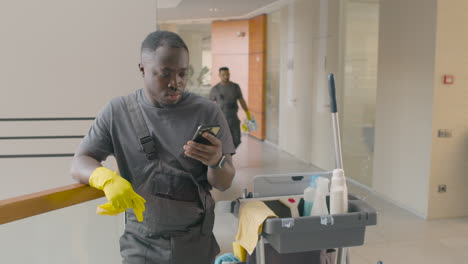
pixel 309 37
pixel 404 102
pixel 450 155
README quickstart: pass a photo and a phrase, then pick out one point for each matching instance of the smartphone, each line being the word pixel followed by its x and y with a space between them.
pixel 212 129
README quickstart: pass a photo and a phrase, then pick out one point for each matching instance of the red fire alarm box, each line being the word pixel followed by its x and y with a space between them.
pixel 448 79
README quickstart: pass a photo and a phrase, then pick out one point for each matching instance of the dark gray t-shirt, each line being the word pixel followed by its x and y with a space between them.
pixel 226 95
pixel 171 127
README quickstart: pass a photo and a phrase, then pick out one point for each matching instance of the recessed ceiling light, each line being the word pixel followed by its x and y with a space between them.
pixel 214 9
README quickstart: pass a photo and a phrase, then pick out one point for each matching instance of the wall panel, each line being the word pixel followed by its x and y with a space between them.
pixel 257 72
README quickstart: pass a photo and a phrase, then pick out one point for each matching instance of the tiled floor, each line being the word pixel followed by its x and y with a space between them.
pixel 399 237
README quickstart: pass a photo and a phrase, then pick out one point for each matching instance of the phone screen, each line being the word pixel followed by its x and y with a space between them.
pixel 212 129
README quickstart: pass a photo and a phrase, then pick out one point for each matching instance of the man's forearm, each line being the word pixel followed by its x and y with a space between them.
pixel 243 104
pixel 221 179
pixel 82 167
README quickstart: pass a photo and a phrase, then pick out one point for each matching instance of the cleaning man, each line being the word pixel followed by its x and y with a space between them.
pixel 164 178
pixel 226 94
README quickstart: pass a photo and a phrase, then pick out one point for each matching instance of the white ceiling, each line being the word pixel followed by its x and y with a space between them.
pixel 207 9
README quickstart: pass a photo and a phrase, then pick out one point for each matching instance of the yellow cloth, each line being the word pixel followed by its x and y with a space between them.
pixel 251 217
pixel 239 251
pixel 244 128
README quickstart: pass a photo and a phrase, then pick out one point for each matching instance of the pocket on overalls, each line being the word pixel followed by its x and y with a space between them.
pixel 164 215
pixel 194 248
pixel 209 216
pixel 137 247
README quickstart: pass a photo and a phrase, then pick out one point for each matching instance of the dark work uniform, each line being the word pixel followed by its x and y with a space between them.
pixel 226 95
pixel 179 215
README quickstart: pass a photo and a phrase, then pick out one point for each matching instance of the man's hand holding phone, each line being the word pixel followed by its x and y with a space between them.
pixel 207 154
pixel 207 148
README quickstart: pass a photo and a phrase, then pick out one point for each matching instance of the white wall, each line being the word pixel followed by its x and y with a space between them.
pixel 65 58
pixel 309 33
pixel 62 59
pixel 450 155
pixel 404 102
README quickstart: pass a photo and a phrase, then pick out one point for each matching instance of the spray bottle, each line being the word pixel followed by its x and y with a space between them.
pixel 309 195
pixel 338 193
pixel 320 201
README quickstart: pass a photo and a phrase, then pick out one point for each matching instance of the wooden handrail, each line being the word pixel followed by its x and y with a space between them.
pixel 20 207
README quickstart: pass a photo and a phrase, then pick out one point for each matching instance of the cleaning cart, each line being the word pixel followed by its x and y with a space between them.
pixel 293 236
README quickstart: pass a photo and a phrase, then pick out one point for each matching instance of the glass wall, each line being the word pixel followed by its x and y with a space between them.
pixel 361 24
pixel 301 52
pixel 273 74
pixel 198 40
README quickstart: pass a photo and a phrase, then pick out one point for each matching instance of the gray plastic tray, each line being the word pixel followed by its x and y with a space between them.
pixel 289 235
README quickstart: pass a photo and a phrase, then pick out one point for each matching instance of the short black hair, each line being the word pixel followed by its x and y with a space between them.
pixel 162 38
pixel 223 69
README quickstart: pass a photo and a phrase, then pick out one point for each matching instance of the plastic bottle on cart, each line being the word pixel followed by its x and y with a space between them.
pixel 309 195
pixel 320 201
pixel 338 193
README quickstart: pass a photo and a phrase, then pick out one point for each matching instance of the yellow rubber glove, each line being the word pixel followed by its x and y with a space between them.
pixel 119 192
pixel 247 113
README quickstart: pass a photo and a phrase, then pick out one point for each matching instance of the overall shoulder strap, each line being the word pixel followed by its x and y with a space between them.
pixel 147 142
pixel 138 122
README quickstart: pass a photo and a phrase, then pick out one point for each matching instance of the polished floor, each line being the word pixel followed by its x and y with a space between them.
pixel 399 237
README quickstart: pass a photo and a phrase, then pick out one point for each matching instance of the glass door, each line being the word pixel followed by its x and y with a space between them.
pixel 361 25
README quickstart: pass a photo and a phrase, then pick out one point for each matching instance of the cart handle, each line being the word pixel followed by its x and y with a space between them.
pixel 331 90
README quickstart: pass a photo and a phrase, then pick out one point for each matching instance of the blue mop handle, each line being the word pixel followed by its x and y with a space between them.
pixel 335 121
pixel 331 90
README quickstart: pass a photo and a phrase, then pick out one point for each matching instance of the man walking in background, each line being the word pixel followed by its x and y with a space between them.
pixel 226 94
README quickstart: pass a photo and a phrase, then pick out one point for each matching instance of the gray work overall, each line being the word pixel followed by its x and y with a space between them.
pixel 179 215
pixel 230 113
